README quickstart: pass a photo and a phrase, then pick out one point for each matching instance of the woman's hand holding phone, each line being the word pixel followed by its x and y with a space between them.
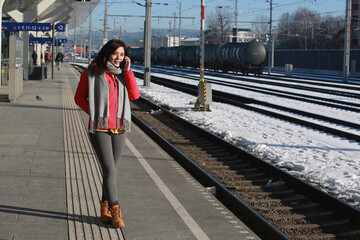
pixel 126 63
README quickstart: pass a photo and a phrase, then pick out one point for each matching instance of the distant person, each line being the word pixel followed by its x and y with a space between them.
pixel 103 92
pixel 59 59
pixel 47 58
pixel 34 57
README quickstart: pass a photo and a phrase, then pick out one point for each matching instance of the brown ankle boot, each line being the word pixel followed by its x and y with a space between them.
pixel 105 211
pixel 116 218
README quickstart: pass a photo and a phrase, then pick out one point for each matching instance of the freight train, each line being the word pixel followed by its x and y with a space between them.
pixel 235 57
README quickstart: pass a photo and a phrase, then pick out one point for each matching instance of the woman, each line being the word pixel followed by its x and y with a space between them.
pixel 104 91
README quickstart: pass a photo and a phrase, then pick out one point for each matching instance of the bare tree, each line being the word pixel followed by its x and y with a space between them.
pixel 261 27
pixel 307 29
pixel 219 24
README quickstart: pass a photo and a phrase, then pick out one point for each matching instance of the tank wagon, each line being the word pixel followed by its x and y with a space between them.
pixel 236 57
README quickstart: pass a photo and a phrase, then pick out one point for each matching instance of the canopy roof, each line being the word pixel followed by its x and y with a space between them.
pixel 71 12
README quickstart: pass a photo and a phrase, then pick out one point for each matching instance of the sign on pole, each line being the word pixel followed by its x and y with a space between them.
pixel 60 27
pixel 15 26
pixel 34 40
pixel 25 26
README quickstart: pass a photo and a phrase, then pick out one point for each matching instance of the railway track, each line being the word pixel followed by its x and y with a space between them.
pixel 275 204
pixel 329 102
pixel 246 103
pixel 322 86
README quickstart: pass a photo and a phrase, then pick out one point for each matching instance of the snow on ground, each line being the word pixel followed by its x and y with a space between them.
pixel 328 160
pixel 304 106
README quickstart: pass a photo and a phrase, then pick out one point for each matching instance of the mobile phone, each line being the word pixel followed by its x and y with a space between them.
pixel 122 64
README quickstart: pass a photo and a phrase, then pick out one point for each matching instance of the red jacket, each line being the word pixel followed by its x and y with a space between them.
pixel 82 91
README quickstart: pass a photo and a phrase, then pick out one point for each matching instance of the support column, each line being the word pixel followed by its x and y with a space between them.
pixel 26 63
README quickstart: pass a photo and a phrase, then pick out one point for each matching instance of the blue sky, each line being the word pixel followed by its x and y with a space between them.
pixel 248 11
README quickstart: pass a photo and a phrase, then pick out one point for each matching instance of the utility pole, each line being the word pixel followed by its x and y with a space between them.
pixel 74 37
pixel 81 42
pixel 90 33
pixel 179 23
pixel 270 41
pixel 52 49
pixel 105 23
pixel 236 13
pixel 114 36
pixel 174 41
pixel 347 42
pixel 147 44
pixel 236 26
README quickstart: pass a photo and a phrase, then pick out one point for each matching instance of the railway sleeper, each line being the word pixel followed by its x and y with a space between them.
pixel 311 216
pixel 287 209
pixel 231 179
pixel 211 160
pixel 243 178
pixel 239 184
pixel 323 228
pixel 232 166
pixel 323 237
pixel 207 144
pixel 216 166
pixel 207 157
pixel 188 149
pixel 218 172
pixel 230 158
pixel 222 154
pixel 285 198
pixel 271 202
pixel 244 190
pixel 262 205
pixel 259 181
pixel 245 171
pixel 256 175
pixel 281 193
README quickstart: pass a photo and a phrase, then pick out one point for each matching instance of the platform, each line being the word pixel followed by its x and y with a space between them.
pixel 51 181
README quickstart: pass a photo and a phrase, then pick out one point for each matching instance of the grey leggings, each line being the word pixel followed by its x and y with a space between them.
pixel 108 148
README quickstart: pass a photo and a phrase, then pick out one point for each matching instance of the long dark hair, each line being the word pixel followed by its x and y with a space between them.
pixel 98 65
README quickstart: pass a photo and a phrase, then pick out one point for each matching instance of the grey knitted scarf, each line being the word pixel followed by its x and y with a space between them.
pixel 99 101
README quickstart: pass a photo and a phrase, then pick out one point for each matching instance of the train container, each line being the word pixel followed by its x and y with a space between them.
pixel 236 57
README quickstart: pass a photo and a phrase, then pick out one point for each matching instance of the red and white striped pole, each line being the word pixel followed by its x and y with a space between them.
pixel 202 41
pixel 204 89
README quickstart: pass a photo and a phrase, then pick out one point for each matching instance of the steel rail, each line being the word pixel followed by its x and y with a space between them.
pixel 241 102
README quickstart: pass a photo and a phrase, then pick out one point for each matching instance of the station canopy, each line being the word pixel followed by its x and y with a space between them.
pixel 71 12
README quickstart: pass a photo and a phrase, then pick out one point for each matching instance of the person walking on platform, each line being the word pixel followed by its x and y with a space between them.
pixel 59 59
pixel 47 58
pixel 103 92
pixel 34 57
